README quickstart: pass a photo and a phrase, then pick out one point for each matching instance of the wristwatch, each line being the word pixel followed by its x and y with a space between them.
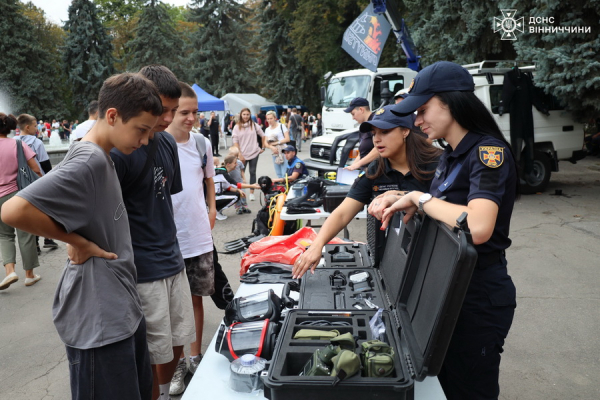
pixel 424 198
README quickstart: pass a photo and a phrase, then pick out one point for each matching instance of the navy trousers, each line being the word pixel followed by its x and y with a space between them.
pixel 472 365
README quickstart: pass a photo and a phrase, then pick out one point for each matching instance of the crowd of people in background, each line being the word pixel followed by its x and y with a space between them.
pixel 166 260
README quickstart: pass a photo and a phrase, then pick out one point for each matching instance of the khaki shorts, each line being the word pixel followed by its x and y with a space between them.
pixel 167 306
pixel 201 274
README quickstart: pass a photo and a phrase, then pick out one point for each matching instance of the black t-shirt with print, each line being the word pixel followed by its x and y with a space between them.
pixel 149 207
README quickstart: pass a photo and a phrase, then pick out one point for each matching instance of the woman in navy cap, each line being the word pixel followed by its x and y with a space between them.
pixel 477 175
pixel 406 162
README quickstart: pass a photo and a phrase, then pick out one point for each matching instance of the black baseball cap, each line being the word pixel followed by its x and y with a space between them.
pixel 357 102
pixel 289 147
pixel 443 76
pixel 384 118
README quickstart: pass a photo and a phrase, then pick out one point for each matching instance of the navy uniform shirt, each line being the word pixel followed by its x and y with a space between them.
pixel 487 171
pixel 366 140
pixel 296 165
pixel 365 189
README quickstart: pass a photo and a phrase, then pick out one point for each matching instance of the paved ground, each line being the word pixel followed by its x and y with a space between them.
pixel 552 351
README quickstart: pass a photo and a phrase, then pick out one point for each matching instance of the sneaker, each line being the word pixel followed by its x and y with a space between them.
pixel 247 210
pixel 178 381
pixel 195 363
pixel 252 197
pixel 32 281
pixel 50 244
pixel 9 280
pixel 220 216
pixel 239 211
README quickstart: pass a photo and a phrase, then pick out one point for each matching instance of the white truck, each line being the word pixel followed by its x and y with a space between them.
pixel 341 88
pixel 557 137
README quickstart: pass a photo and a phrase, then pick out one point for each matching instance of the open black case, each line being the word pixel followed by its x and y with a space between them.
pixel 421 282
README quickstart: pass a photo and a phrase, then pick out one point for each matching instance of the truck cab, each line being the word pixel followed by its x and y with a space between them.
pixel 556 137
pixel 341 89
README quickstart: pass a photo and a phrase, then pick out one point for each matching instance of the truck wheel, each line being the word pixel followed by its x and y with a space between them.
pixel 540 176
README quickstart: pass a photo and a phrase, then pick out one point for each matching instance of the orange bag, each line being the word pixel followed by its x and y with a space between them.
pixel 280 249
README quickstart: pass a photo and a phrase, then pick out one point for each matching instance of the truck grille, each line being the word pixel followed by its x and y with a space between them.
pixel 320 152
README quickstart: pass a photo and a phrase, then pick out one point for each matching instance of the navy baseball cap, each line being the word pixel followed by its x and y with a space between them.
pixel 289 147
pixel 443 76
pixel 384 118
pixel 357 102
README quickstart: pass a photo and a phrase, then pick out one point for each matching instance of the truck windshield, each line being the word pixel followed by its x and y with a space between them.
pixel 341 90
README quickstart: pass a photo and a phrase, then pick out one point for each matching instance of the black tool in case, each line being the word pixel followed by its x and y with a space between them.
pixel 344 286
pixel 424 286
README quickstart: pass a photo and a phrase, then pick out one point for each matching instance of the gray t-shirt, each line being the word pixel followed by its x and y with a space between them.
pixel 96 303
pixel 236 173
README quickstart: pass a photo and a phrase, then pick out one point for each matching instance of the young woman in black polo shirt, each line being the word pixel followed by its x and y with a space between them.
pixel 406 162
pixel 477 175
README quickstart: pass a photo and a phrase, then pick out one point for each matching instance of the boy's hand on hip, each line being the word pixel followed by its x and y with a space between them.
pixel 80 254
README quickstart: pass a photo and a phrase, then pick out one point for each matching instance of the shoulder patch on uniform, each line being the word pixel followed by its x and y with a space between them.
pixel 491 156
pixel 380 111
pixel 298 165
pixel 362 173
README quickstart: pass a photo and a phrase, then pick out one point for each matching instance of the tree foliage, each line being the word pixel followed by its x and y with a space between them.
pixel 458 31
pixel 567 63
pixel 88 59
pixel 155 39
pixel 282 77
pixel 218 59
pixel 27 42
pixel 120 18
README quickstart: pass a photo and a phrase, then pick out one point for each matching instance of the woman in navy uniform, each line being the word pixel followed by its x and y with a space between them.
pixel 296 169
pixel 406 162
pixel 477 175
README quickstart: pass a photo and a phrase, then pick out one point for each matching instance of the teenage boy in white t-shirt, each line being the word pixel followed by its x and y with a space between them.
pixel 194 223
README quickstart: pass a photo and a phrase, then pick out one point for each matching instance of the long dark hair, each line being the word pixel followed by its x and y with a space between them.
pixel 418 153
pixel 470 113
pixel 241 120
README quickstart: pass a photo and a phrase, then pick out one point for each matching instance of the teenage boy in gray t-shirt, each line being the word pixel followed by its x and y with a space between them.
pixel 97 311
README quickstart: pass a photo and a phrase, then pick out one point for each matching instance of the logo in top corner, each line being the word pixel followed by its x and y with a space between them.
pixel 508 24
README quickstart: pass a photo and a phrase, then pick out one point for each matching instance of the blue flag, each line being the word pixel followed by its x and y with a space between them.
pixel 365 37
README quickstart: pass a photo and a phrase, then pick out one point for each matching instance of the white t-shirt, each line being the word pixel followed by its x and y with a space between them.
pixel 277 133
pixel 83 128
pixel 189 206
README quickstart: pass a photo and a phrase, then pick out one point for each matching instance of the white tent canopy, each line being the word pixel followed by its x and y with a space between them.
pixel 253 101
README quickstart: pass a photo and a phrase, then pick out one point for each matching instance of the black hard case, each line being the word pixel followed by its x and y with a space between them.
pixel 333 196
pixel 419 324
pixel 316 291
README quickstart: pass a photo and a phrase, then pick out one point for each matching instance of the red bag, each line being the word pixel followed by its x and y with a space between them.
pixel 280 249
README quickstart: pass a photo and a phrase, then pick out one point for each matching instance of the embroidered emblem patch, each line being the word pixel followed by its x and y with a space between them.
pixel 298 165
pixel 491 156
pixel 380 111
pixel 411 85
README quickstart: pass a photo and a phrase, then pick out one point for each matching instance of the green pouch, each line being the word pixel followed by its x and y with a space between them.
pixel 315 334
pixel 345 365
pixel 377 358
pixel 345 341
